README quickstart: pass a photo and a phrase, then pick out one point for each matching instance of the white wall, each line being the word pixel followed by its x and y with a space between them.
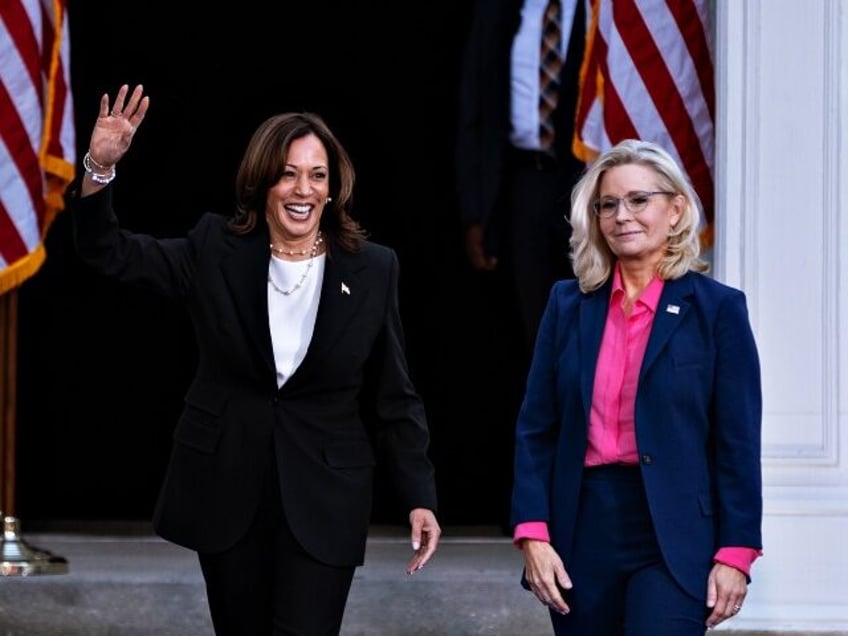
pixel 782 236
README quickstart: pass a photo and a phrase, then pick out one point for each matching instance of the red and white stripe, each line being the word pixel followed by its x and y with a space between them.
pixel 37 138
pixel 648 74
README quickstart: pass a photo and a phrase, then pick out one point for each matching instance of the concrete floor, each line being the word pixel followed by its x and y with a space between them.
pixel 142 586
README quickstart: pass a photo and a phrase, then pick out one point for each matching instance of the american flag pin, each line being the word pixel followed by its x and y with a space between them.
pixel 673 309
pixel 345 289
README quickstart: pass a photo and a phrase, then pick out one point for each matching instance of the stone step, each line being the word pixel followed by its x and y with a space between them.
pixel 143 586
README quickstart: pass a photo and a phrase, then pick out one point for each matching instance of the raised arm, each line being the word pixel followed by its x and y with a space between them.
pixel 112 135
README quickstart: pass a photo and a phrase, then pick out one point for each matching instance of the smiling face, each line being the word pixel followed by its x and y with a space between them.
pixel 294 205
pixel 637 238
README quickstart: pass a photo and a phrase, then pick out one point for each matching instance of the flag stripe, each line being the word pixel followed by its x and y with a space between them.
pixel 590 88
pixel 648 74
pixel 694 34
pixel 58 145
pixel 37 138
pixel 677 130
pixel 24 160
pixel 19 26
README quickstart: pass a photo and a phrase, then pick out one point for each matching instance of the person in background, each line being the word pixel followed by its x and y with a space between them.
pixel 512 180
pixel 301 382
pixel 512 192
pixel 637 496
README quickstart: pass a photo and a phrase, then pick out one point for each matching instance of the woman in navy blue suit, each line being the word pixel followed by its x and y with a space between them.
pixel 637 490
pixel 301 380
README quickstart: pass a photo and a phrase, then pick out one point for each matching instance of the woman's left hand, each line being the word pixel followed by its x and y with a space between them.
pixel 114 129
pixel 425 538
pixel 726 590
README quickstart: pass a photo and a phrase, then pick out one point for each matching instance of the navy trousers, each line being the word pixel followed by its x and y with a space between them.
pixel 621 584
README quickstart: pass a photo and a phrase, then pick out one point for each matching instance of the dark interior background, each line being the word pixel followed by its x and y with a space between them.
pixel 103 367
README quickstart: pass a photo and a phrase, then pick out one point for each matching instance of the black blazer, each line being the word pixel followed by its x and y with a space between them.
pixel 350 397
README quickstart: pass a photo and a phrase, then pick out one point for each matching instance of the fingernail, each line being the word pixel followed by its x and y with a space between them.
pixel 416 545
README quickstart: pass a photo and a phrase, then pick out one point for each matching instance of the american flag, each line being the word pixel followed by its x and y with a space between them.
pixel 37 139
pixel 648 74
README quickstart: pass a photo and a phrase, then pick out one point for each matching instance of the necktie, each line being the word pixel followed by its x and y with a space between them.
pixel 550 63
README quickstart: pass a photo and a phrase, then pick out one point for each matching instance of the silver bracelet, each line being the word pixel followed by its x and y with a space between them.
pixel 99 178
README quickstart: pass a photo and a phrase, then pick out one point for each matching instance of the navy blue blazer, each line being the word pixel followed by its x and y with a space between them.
pixel 349 403
pixel 698 421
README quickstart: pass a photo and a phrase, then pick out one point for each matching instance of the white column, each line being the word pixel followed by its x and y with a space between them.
pixel 782 236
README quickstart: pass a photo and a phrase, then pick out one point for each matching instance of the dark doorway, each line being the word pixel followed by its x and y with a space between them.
pixel 103 367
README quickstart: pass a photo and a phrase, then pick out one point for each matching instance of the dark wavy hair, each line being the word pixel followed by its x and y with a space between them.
pixel 262 166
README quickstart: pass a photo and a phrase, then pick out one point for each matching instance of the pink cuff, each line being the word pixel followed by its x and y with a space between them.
pixel 537 530
pixel 740 558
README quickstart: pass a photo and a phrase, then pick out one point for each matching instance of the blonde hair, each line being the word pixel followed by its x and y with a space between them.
pixel 591 257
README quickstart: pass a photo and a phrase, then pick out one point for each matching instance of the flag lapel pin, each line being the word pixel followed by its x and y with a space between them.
pixel 345 289
pixel 673 309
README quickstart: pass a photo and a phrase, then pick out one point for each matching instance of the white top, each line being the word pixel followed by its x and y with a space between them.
pixel 525 69
pixel 292 317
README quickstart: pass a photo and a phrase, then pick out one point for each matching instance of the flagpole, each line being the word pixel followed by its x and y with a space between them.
pixel 17 557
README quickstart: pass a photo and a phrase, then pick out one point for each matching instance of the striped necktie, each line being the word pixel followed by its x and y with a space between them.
pixel 550 63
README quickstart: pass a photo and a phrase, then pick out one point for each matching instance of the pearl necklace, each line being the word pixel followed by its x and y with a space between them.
pixel 313 252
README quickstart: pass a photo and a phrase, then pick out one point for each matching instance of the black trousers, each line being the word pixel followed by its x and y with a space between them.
pixel 267 585
pixel 622 586
pixel 535 234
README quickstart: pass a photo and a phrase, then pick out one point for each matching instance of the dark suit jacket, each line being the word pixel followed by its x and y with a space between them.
pixel 483 119
pixel 350 396
pixel 698 417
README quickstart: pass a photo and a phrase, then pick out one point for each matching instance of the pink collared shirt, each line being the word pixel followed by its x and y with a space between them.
pixel 612 432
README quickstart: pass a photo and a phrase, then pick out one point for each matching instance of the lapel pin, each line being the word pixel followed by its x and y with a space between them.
pixel 673 309
pixel 345 289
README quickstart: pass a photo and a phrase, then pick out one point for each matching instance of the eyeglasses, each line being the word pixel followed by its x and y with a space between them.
pixel 635 202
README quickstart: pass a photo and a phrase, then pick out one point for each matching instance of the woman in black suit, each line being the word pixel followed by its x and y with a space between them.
pixel 301 376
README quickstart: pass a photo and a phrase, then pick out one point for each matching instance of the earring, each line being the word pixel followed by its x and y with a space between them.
pixel 329 199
